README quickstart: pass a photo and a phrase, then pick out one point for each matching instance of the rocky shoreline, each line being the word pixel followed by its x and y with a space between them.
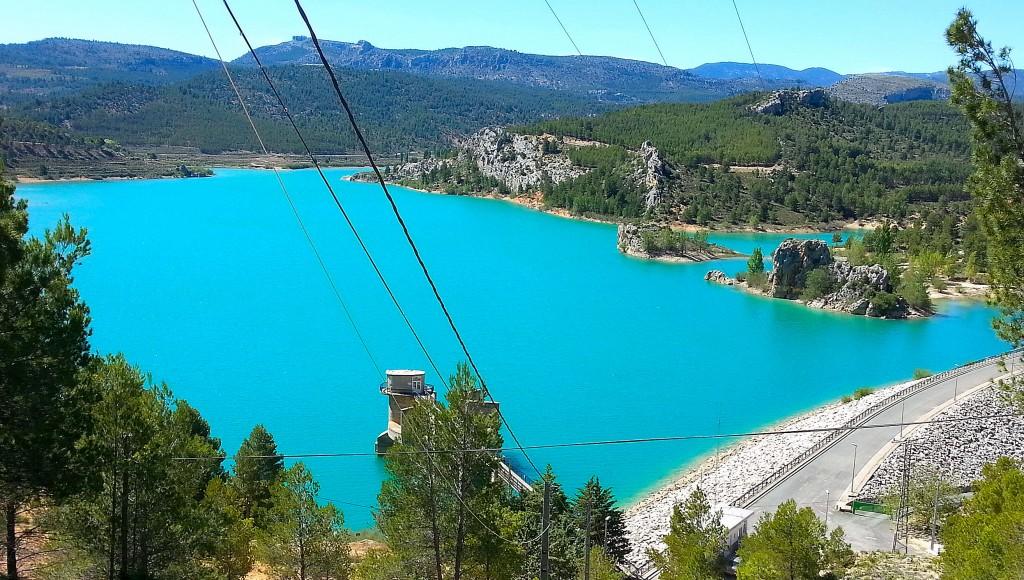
pixel 732 471
pixel 865 290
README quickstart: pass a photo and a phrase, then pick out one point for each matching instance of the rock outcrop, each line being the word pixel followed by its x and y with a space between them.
pixel 883 89
pixel 518 161
pixel 854 289
pixel 652 174
pixel 793 260
pixel 861 290
pixel 720 277
pixel 782 102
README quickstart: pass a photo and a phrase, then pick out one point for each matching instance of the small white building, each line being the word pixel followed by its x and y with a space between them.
pixel 734 520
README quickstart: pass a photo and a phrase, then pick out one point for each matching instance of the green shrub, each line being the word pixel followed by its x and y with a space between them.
pixel 757 280
pixel 922 373
pixel 914 291
pixel 884 303
pixel 818 283
pixel 847 398
pixel 862 392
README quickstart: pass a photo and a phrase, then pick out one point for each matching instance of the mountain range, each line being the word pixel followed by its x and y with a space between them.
pixel 410 99
pixel 61 65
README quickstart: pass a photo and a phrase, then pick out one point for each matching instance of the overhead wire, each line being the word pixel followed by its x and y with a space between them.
pixel 650 32
pixel 259 138
pixel 564 29
pixel 405 229
pixel 334 196
pixel 639 440
pixel 291 203
pixel 750 49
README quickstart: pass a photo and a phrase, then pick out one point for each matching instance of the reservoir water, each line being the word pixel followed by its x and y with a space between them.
pixel 209 284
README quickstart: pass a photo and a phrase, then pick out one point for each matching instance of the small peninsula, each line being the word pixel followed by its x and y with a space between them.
pixel 806 271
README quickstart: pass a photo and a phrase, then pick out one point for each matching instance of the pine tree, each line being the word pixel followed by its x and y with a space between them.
pixel 607 525
pixel 695 543
pixel 981 87
pixel 258 466
pixel 43 346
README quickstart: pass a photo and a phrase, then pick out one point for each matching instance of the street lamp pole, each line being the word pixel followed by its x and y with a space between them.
pixel 853 473
pixel 828 501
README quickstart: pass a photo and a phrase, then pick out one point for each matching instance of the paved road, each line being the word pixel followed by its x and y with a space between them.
pixel 832 469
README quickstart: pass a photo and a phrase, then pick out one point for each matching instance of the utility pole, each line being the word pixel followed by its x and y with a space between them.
pixel 853 471
pixel 586 544
pixel 545 527
pixel 903 511
pixel 827 506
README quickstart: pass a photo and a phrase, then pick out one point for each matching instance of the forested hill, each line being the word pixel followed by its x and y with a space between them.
pixel 398 111
pixel 782 159
pixel 811 163
pixel 61 65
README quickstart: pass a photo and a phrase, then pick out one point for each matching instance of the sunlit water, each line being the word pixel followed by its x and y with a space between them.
pixel 209 284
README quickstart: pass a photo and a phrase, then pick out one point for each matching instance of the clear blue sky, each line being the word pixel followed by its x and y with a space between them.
pixel 844 35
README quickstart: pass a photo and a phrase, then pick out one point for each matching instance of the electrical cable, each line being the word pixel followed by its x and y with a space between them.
pixel 288 197
pixel 334 196
pixel 405 229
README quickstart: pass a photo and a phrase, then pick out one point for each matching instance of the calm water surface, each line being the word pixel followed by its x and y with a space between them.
pixel 209 284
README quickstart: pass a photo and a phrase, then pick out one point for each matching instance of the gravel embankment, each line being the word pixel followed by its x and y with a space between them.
pixel 736 469
pixel 958 450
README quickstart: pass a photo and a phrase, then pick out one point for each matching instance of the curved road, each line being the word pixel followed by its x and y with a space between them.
pixel 831 470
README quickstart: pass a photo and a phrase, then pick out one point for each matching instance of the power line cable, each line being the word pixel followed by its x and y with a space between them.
pixel 750 49
pixel 288 197
pixel 564 29
pixel 405 229
pixel 334 196
pixel 636 440
pixel 651 33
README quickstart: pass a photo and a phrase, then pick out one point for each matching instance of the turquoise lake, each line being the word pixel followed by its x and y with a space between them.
pixel 210 285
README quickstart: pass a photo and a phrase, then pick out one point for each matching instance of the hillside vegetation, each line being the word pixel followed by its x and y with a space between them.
pixel 398 111
pixel 840 161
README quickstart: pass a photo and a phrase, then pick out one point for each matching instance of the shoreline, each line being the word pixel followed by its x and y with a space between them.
pixel 730 471
pixel 532 201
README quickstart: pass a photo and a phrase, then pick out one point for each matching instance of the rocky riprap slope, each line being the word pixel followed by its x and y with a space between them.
pixel 956 449
pixel 853 287
pixel 782 102
pixel 731 473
